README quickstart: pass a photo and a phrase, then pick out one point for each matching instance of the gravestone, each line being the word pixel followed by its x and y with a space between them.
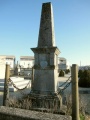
pixel 46 59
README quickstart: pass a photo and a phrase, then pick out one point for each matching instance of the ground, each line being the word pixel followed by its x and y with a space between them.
pixel 85 97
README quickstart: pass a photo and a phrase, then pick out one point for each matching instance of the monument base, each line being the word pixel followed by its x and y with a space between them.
pixel 45 81
pixel 49 103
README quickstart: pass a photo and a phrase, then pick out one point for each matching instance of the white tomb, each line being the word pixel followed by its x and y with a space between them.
pixel 19 83
pixel 2 68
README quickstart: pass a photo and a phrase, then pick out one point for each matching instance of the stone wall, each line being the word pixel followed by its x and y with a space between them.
pixel 8 113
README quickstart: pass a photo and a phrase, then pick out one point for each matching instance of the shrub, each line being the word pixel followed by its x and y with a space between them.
pixel 84 78
pixel 82 105
pixel 61 73
pixel 67 71
pixel 80 73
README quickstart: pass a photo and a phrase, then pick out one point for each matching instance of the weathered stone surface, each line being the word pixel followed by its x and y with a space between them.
pixel 45 80
pixel 46 65
pixel 46 32
pixel 50 102
pixel 46 58
pixel 7 113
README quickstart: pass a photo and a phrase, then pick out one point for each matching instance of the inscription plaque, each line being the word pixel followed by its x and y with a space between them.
pixel 43 64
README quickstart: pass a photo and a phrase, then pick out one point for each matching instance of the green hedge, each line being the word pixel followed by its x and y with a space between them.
pixel 61 73
pixel 84 78
pixel 67 71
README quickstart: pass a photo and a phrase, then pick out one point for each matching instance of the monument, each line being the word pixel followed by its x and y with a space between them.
pixel 46 58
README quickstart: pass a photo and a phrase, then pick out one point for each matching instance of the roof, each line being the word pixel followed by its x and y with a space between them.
pixel 61 58
pixel 7 56
pixel 30 57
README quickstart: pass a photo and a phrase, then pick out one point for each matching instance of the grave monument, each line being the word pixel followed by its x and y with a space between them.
pixel 46 58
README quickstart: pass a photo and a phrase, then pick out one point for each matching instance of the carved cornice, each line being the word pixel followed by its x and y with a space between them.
pixel 46 50
pixel 50 67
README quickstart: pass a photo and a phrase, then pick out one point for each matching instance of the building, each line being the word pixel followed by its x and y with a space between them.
pixel 9 59
pixel 26 61
pixel 63 64
pixel 87 67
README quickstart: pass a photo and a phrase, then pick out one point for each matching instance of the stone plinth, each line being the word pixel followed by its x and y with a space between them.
pixel 8 113
pixel 45 70
pixel 49 103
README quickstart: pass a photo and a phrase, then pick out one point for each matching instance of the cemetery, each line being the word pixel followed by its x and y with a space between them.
pixel 51 95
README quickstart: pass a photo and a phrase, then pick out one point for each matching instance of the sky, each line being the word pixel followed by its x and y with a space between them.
pixel 20 22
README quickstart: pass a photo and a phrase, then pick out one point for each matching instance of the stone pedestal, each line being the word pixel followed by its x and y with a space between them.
pixel 45 70
pixel 44 84
pixel 48 103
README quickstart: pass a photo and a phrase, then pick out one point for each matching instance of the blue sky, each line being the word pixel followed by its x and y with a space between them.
pixel 19 28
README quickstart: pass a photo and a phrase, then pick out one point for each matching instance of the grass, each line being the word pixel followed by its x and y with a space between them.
pixel 82 117
pixel 27 103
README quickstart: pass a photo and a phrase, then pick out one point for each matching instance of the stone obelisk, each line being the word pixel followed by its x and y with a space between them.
pixel 46 55
pixel 46 32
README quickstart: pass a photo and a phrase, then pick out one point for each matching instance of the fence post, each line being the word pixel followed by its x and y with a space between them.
pixel 32 78
pixel 6 89
pixel 75 95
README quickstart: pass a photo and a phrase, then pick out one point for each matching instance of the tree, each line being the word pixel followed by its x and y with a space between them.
pixel 67 71
pixel 84 78
pixel 61 73
pixel 80 73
